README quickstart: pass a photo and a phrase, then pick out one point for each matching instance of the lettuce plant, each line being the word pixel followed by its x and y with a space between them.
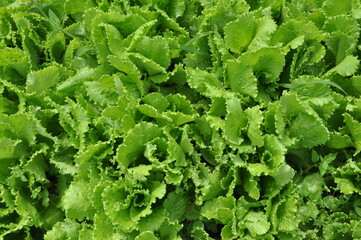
pixel 180 119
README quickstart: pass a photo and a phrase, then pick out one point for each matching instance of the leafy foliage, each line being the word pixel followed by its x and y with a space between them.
pixel 180 119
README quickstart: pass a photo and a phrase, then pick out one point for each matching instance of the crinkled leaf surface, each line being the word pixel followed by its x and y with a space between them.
pixel 180 119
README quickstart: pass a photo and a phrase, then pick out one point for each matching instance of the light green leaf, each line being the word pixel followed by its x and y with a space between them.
pixel 277 151
pixel 21 126
pixel 176 204
pixel 72 83
pixel 236 121
pixel 115 39
pixel 26 207
pixel 156 49
pixel 134 143
pixel 42 80
pixel 179 118
pixel 293 33
pixel 116 201
pixel 146 236
pixel 37 166
pixel 305 125
pixel 64 230
pixel 355 130
pixel 310 131
pixel 199 80
pixel 154 221
pixel 256 223
pixel 287 217
pixel 265 27
pixel 11 149
pixel 255 119
pixel 169 230
pixel 335 7
pixel 252 187
pixel 147 65
pixel 157 100
pixel 76 200
pixel 312 186
pixel 176 8
pixel 283 175
pixel 239 33
pixel 103 92
pixel 176 153
pixel 348 66
pixel 267 63
pixel 341 44
pixel 220 208
pixel 241 79
pixel 346 186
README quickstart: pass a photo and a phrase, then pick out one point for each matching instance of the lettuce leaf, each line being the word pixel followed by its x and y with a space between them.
pixel 180 119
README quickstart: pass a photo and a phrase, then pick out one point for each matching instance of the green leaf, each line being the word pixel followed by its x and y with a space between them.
pixel 251 186
pixel 309 130
pixel 288 220
pixel 156 49
pixel 37 165
pixel 115 39
pixel 241 79
pixel 73 7
pixel 146 236
pixel 235 122
pixel 64 230
pixel 276 150
pixel 346 186
pixel 72 83
pixel 10 151
pixel 157 100
pixel 355 130
pixel 42 80
pixel 199 80
pixel 312 87
pixel 305 124
pixel 26 207
pixel 239 33
pixel 170 230
pixel 266 62
pixel 118 213
pixel 57 45
pixel 341 44
pixel 134 143
pixel 176 153
pixel 348 66
pixel 257 223
pixel 283 175
pixel 199 233
pixel 14 59
pixel 124 65
pixel 63 158
pixel 312 186
pixel 220 208
pixel 255 119
pixel 103 92
pixel 76 200
pixel 294 32
pixel 147 65
pixel 176 204
pixel 103 227
pixel 334 7
pixel 265 27
pixel 22 126
pixel 154 221
pixel 176 8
